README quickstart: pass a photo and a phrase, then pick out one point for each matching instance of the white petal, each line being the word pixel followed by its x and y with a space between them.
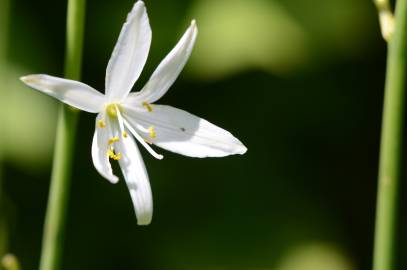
pixel 134 171
pixel 136 177
pixel 168 70
pixel 99 150
pixel 76 94
pixel 183 133
pixel 130 53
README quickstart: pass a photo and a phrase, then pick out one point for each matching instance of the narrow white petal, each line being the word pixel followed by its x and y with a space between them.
pixel 130 53
pixel 135 174
pixel 99 150
pixel 168 70
pixel 181 132
pixel 76 94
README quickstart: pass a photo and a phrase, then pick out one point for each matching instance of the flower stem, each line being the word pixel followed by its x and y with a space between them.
pixel 391 143
pixel 4 23
pixel 4 19
pixel 54 228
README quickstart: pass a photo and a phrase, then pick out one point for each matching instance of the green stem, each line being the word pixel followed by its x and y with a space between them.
pixel 391 143
pixel 4 20
pixel 54 229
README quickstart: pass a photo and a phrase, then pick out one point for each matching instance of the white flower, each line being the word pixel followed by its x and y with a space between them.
pixel 123 116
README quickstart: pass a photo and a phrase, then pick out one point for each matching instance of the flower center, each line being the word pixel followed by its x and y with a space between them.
pixel 111 109
pixel 115 112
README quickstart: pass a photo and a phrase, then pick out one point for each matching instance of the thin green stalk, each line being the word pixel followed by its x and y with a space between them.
pixel 391 143
pixel 4 19
pixel 54 229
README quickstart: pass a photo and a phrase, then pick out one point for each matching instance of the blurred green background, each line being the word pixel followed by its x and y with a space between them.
pixel 299 82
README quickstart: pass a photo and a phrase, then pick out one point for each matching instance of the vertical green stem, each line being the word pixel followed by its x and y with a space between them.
pixel 54 229
pixel 391 143
pixel 4 19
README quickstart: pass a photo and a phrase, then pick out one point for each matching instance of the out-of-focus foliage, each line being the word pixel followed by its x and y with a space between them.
pixel 277 36
pixel 315 256
pixel 237 35
pixel 28 122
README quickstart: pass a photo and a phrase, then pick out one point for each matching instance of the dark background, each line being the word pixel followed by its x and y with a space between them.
pixel 299 82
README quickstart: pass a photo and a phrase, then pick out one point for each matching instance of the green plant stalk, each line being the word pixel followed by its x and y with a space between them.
pixel 4 24
pixel 391 144
pixel 4 19
pixel 54 228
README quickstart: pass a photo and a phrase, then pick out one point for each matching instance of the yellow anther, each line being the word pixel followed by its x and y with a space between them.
pixel 148 106
pixel 152 133
pixel 114 156
pixel 124 133
pixel 101 124
pixel 113 140
pixel 112 108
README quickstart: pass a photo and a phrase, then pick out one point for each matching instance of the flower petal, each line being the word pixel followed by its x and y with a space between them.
pixel 99 150
pixel 136 177
pixel 130 53
pixel 74 93
pixel 183 133
pixel 168 70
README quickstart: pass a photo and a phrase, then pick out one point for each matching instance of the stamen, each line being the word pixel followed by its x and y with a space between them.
pixel 101 123
pixel 112 155
pixel 113 140
pixel 141 128
pixel 120 120
pixel 142 141
pixel 152 133
pixel 121 124
pixel 147 106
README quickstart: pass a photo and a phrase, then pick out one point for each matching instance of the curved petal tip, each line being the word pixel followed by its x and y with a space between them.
pixel 144 219
pixel 28 79
pixel 111 178
pixel 194 26
pixel 242 150
pixel 139 3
